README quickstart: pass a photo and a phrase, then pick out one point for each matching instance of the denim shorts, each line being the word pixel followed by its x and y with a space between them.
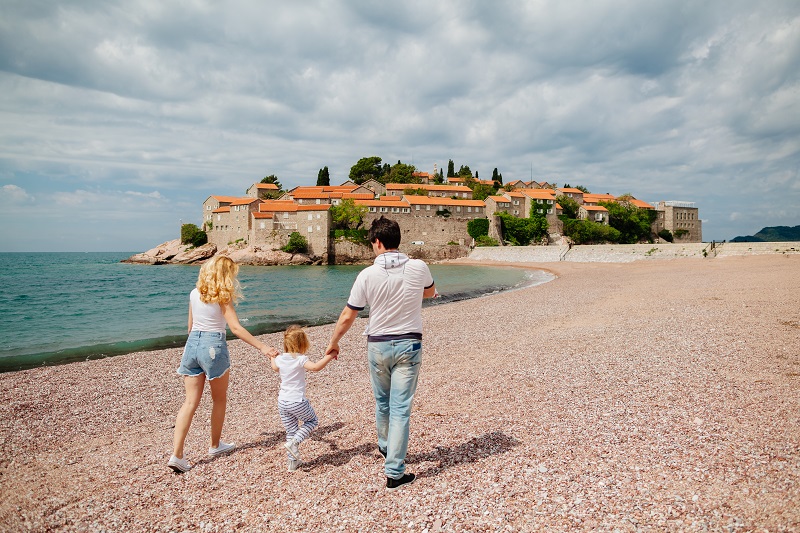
pixel 206 352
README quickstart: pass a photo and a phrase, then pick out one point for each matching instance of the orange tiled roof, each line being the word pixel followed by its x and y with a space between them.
pixel 572 190
pixel 435 200
pixel 270 186
pixel 538 194
pixel 594 208
pixel 358 196
pixel 262 215
pixel 390 198
pixel 244 201
pixel 641 204
pixel 399 202
pixel 276 205
pixel 310 195
pixel 500 199
pixel 314 207
pixel 226 199
pixel 427 187
pixel 223 209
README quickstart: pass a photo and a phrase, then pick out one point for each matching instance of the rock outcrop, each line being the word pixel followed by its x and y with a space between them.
pixel 163 253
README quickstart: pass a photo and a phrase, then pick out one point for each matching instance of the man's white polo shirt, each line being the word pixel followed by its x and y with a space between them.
pixel 392 287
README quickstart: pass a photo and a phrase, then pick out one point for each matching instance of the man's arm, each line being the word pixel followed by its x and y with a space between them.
pixel 430 292
pixel 346 319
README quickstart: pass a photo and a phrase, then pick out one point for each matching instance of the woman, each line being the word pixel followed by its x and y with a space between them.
pixel 206 353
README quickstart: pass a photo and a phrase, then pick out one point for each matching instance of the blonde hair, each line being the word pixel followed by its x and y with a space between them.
pixel 217 281
pixel 295 340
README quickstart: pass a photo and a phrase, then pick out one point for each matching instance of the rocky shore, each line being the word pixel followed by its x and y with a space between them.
pixel 173 252
pixel 641 396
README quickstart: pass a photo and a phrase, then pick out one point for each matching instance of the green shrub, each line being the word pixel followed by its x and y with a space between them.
pixel 478 227
pixel 191 234
pixel 297 244
pixel 443 213
pixel 358 236
pixel 665 234
pixel 521 231
pixel 681 232
pixel 586 232
pixel 485 240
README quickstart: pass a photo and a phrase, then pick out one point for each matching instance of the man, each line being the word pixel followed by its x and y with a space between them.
pixel 393 288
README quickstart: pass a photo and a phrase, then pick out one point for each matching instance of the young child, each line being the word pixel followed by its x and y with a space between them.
pixel 293 405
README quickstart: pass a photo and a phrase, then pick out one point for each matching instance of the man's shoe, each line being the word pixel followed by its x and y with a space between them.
pixel 179 465
pixel 294 448
pixel 382 452
pixel 394 484
pixel 222 448
pixel 293 464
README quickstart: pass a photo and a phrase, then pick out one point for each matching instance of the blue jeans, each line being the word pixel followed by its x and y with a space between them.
pixel 393 370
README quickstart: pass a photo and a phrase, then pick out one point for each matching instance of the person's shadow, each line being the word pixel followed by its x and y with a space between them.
pixel 444 457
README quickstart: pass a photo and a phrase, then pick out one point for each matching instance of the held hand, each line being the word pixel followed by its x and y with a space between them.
pixel 333 350
pixel 269 351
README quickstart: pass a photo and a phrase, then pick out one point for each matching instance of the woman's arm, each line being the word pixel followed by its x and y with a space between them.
pixel 190 317
pixel 237 329
pixel 319 365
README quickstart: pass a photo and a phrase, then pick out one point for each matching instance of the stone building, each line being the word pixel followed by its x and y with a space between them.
pixel 595 213
pixel 682 219
pixel 443 191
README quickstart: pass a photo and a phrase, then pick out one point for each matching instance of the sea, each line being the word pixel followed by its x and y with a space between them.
pixel 58 308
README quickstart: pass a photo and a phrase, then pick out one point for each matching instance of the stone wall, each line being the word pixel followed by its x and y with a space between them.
pixel 431 230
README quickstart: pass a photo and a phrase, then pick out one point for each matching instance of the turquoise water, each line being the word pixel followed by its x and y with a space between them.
pixel 63 307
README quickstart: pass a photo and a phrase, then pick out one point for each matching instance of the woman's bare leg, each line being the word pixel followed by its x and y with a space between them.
pixel 219 398
pixel 194 391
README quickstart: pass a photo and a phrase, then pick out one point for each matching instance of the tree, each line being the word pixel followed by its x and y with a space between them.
pixel 587 232
pixel 568 206
pixel 451 169
pixel 633 223
pixel 402 173
pixel 191 234
pixel 323 178
pixel 497 177
pixel 582 188
pixel 272 178
pixel 521 231
pixel 438 177
pixel 464 171
pixel 366 168
pixel 478 227
pixel 348 214
pixel 480 191
pixel 297 244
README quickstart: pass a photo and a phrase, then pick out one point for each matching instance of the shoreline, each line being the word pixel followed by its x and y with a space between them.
pixel 648 395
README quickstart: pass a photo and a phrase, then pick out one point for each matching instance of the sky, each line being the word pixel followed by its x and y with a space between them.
pixel 118 118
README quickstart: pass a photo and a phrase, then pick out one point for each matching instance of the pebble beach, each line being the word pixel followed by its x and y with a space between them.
pixel 659 395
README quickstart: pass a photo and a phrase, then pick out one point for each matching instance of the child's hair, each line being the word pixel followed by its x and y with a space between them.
pixel 295 340
pixel 217 281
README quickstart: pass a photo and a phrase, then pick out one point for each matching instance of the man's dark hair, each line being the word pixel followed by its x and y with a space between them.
pixel 385 230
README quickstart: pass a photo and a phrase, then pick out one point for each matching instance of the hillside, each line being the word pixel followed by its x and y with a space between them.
pixel 772 234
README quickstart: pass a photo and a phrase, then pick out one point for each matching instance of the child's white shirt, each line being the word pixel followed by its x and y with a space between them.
pixel 293 377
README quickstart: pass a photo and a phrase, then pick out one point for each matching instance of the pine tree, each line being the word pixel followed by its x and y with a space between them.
pixel 323 177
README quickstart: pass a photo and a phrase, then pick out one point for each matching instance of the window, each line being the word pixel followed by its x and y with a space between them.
pixel 469 209
pixel 262 225
pixel 318 201
pixel 310 216
pixel 417 207
pixel 458 208
pixel 427 208
pixel 516 202
pixel 286 215
pixel 310 229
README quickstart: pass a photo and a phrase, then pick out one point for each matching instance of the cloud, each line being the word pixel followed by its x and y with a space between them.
pixel 15 195
pixel 664 99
